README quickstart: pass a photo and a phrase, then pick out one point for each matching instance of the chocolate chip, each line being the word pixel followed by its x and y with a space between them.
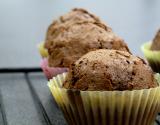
pixel 144 62
pixel 141 79
pixel 133 73
pixel 127 61
pixel 81 62
pixel 135 62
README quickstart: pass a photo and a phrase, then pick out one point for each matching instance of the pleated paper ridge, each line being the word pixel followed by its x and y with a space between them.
pixel 137 107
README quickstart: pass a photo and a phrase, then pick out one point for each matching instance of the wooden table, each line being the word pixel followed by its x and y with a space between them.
pixel 26 100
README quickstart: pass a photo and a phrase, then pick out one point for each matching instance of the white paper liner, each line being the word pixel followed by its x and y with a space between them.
pixel 137 107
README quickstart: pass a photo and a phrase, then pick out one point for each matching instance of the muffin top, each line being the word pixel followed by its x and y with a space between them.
pixel 76 33
pixel 109 70
pixel 156 42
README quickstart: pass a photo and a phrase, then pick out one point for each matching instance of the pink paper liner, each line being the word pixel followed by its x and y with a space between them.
pixel 51 72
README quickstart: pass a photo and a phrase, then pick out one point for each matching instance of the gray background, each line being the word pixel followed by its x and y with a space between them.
pixel 23 24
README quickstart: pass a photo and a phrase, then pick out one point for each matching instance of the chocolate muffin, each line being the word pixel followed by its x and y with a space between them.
pixel 77 33
pixel 109 70
pixel 156 42
pixel 151 52
pixel 76 16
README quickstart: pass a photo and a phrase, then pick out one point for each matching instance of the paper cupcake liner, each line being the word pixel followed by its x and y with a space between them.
pixel 51 72
pixel 137 107
pixel 43 51
pixel 153 57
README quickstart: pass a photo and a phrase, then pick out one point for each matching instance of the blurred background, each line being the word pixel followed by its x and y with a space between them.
pixel 23 24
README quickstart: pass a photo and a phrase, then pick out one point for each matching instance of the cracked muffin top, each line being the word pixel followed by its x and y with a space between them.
pixel 109 70
pixel 76 33
pixel 156 42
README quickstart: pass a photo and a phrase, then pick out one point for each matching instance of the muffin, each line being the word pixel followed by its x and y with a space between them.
pixel 110 70
pixel 156 42
pixel 151 51
pixel 76 33
pixel 108 87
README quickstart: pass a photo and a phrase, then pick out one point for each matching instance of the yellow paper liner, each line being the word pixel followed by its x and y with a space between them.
pixel 153 57
pixel 43 51
pixel 137 107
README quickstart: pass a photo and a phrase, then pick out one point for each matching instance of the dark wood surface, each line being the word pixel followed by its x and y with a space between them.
pixel 25 100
